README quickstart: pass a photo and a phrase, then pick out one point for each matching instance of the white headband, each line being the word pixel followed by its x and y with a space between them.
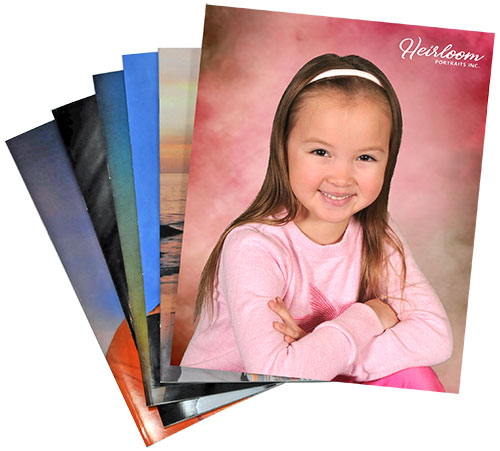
pixel 346 72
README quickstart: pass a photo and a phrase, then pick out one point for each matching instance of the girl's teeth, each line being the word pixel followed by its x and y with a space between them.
pixel 335 197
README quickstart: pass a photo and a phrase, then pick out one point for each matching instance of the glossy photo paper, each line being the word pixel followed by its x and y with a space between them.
pixel 441 77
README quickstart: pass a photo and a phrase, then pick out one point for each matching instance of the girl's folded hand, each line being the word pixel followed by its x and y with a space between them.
pixel 289 328
pixel 386 315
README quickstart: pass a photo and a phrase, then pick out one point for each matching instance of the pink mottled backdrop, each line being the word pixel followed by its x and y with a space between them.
pixel 249 57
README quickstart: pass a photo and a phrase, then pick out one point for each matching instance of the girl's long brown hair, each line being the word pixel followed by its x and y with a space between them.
pixel 276 204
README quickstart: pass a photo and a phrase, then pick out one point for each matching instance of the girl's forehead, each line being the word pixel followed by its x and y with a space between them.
pixel 323 103
pixel 342 99
pixel 342 121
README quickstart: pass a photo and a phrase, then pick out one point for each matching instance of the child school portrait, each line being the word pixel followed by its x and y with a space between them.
pixel 332 200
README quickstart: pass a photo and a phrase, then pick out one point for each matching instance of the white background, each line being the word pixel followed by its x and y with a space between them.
pixel 56 388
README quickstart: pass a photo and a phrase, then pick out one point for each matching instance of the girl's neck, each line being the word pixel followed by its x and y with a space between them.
pixel 320 232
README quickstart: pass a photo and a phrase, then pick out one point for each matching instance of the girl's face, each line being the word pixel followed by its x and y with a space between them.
pixel 337 154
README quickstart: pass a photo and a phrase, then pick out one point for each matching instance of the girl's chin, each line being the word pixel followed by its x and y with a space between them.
pixel 324 214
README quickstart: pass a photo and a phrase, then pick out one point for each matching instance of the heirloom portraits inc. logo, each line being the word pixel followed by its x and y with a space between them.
pixel 442 56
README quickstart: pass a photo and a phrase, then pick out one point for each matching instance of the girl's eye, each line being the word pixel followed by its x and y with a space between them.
pixel 366 158
pixel 320 152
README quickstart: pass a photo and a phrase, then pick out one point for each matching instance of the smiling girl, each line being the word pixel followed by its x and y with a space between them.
pixel 313 280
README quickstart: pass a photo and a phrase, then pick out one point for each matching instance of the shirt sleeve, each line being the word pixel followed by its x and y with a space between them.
pixel 252 271
pixel 422 337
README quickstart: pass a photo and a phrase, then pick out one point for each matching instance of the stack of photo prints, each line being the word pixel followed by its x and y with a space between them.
pixel 233 218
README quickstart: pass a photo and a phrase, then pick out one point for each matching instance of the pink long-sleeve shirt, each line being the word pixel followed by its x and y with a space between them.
pixel 319 285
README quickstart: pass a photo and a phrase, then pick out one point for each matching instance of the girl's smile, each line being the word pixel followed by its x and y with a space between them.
pixel 337 155
pixel 337 199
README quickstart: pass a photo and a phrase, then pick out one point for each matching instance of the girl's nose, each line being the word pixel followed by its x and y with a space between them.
pixel 340 174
